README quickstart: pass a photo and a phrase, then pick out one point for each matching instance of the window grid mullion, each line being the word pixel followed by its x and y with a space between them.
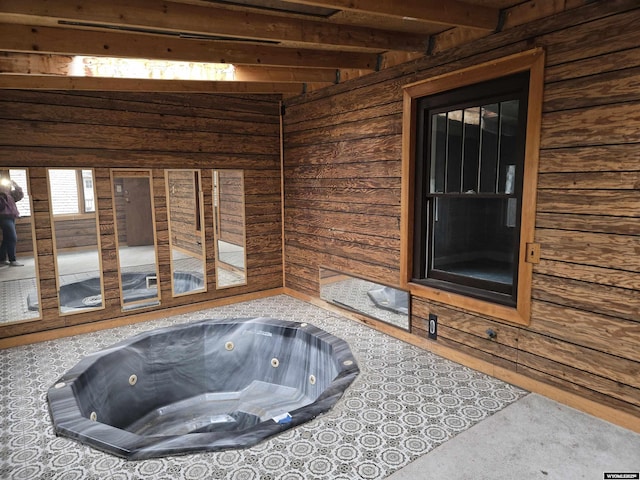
pixel 446 154
pixel 462 150
pixel 480 144
pixel 499 148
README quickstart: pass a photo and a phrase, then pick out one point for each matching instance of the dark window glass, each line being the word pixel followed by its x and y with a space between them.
pixel 489 153
pixel 438 151
pixel 472 242
pixel 508 147
pixel 454 150
pixel 471 153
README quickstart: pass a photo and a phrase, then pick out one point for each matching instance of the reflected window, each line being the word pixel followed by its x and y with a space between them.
pixel 20 176
pixel 229 228
pixel 71 191
pixel 76 240
pixel 88 191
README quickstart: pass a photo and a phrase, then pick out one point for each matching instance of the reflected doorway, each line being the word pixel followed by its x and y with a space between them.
pixel 135 238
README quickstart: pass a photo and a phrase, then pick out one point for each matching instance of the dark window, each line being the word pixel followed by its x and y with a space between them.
pixel 470 148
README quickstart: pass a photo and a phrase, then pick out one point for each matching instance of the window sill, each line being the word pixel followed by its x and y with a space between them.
pixel 519 315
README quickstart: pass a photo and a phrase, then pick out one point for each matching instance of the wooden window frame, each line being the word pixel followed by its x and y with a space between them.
pixel 532 61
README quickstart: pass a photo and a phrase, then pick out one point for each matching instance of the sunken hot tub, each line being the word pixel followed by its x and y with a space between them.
pixel 202 386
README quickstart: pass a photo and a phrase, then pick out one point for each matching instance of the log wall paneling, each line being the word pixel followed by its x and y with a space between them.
pixel 184 221
pixel 106 130
pixel 230 208
pixel 75 233
pixel 342 163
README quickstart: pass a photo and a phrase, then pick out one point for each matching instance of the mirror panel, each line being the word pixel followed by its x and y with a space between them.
pixel 186 235
pixel 388 304
pixel 135 238
pixel 19 283
pixel 76 243
pixel 229 228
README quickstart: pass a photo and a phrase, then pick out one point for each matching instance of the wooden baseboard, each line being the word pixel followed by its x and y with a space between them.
pixel 130 319
pixel 599 410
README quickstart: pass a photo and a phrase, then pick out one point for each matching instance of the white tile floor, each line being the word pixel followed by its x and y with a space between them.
pixel 404 403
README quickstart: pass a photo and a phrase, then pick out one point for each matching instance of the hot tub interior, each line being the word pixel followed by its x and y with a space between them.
pixel 201 386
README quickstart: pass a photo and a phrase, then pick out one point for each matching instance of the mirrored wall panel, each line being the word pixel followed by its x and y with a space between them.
pixel 76 242
pixel 19 283
pixel 135 238
pixel 388 304
pixel 229 228
pixel 186 235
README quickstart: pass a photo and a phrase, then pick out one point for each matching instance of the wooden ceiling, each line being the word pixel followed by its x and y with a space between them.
pixel 277 46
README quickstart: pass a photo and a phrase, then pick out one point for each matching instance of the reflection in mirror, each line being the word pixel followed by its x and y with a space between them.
pixel 76 243
pixel 136 238
pixel 391 305
pixel 19 284
pixel 186 236
pixel 229 228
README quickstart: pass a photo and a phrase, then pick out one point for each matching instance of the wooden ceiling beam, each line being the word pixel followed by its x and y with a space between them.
pixel 247 73
pixel 32 64
pixel 66 41
pixel 47 64
pixel 446 12
pixel 209 21
pixel 55 82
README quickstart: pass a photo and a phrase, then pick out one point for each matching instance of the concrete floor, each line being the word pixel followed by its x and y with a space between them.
pixel 533 438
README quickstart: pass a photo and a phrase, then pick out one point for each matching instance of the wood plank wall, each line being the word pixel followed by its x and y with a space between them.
pixel 342 159
pixel 103 130
pixel 182 212
pixel 74 233
pixel 231 208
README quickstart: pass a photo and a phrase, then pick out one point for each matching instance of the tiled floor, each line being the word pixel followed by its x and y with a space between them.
pixel 404 403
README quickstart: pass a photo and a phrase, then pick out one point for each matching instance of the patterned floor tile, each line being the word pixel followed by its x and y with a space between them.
pixel 404 403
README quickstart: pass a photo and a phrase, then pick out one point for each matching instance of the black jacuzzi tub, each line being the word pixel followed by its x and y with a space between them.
pixel 202 386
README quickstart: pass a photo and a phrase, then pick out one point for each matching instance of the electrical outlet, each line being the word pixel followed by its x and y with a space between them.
pixel 433 326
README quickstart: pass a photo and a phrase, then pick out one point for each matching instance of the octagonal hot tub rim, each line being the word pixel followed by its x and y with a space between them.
pixel 69 421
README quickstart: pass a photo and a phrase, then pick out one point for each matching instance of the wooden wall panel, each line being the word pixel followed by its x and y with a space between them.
pixel 104 130
pixel 342 159
pixel 231 222
pixel 76 232
pixel 183 197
